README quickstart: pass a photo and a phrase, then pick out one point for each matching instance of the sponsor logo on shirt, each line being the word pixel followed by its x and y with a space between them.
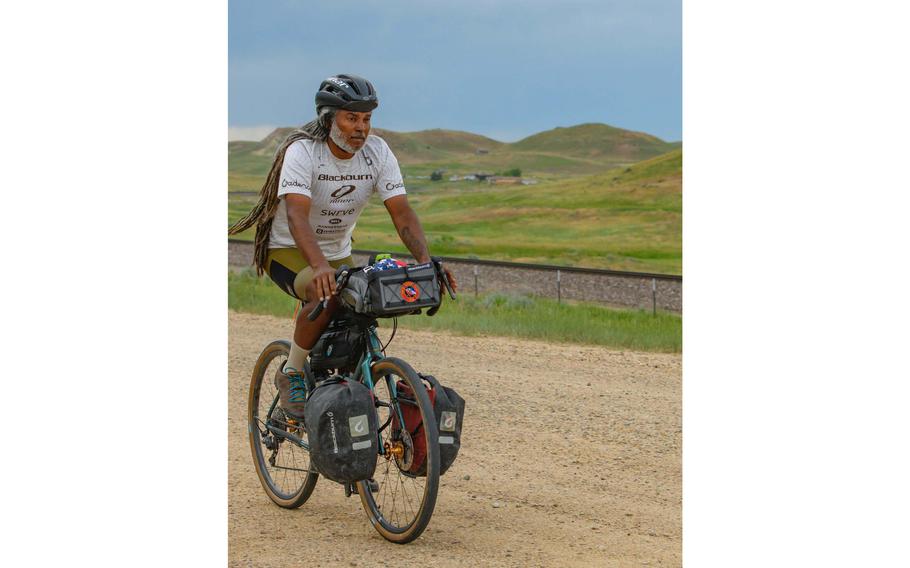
pixel 294 183
pixel 346 177
pixel 343 190
pixel 327 230
pixel 334 221
pixel 330 213
pixel 390 186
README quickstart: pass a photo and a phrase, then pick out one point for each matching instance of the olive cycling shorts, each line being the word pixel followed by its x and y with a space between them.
pixel 289 270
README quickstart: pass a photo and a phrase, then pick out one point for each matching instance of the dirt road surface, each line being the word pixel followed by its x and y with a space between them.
pixel 570 457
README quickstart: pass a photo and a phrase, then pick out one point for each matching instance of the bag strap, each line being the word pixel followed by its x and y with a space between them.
pixel 430 379
pixel 329 381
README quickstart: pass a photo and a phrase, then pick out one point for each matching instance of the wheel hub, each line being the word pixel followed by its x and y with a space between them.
pixel 402 451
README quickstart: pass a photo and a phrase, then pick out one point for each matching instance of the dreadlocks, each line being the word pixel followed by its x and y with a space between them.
pixel 263 213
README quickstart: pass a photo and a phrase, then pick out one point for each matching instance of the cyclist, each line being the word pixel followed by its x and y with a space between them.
pixel 320 180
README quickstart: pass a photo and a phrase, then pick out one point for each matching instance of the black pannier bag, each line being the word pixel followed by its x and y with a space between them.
pixel 391 292
pixel 341 428
pixel 448 407
pixel 339 347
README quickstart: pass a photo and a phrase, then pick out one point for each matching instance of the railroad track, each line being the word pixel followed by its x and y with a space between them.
pixel 641 290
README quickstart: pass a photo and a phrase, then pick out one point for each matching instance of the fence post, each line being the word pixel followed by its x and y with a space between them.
pixel 475 280
pixel 654 296
pixel 558 287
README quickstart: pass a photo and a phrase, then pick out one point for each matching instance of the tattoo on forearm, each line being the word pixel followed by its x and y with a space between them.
pixel 415 243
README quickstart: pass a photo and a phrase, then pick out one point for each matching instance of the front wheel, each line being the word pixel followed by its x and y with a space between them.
pixel 282 464
pixel 401 504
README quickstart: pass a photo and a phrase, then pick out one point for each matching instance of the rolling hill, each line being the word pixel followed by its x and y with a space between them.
pixel 625 218
pixel 575 150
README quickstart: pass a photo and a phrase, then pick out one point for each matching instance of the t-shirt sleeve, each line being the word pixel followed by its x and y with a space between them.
pixel 390 183
pixel 296 171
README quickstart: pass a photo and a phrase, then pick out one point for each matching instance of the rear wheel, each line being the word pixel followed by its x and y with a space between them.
pixel 283 466
pixel 401 506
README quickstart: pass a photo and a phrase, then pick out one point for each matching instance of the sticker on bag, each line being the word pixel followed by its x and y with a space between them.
pixel 447 424
pixel 360 427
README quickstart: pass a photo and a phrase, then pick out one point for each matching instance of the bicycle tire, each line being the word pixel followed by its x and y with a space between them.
pixel 297 487
pixel 390 478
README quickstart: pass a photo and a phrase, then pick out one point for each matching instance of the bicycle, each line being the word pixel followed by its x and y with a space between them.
pixel 398 504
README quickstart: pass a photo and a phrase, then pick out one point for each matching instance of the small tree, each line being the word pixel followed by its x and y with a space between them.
pixel 436 175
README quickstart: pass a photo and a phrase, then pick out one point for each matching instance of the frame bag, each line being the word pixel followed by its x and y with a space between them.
pixel 339 347
pixel 340 419
pixel 448 407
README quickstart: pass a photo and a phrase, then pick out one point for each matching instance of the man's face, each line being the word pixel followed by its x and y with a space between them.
pixel 354 127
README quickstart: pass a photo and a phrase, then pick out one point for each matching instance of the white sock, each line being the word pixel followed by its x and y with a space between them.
pixel 296 357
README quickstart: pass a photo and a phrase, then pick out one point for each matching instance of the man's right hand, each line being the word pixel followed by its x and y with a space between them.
pixel 324 280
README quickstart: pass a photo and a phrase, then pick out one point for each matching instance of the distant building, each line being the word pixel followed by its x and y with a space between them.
pixel 504 180
pixel 481 151
pixel 455 178
pixel 529 181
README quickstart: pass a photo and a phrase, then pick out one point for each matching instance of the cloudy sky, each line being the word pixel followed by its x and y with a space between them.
pixel 505 69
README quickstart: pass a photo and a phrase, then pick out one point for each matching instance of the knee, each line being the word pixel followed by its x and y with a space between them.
pixel 310 291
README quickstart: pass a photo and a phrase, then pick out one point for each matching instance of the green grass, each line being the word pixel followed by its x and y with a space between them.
pixel 629 218
pixel 500 314
pixel 625 218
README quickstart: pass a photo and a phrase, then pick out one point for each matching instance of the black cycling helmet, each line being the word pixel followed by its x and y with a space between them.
pixel 348 92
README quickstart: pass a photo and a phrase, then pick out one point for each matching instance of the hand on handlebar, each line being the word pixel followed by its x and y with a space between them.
pixel 336 277
pixel 446 280
pixel 324 280
pixel 450 279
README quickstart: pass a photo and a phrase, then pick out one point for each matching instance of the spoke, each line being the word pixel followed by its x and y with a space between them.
pixel 394 498
pixel 385 483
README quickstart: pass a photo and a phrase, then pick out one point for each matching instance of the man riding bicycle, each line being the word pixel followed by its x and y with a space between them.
pixel 320 180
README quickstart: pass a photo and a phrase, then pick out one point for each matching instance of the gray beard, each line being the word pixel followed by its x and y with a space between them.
pixel 338 138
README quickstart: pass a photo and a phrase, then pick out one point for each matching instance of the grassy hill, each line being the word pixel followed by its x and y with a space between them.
pixel 626 218
pixel 576 150
pixel 595 142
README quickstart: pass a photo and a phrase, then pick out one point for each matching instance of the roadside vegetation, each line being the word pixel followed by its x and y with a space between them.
pixel 499 314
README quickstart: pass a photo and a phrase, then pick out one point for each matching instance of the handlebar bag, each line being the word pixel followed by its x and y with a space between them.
pixel 405 289
pixel 448 407
pixel 341 426
pixel 392 292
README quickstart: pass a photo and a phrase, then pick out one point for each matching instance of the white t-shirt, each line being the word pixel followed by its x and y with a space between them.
pixel 339 190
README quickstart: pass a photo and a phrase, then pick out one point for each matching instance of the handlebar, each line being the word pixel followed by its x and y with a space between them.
pixel 344 271
pixel 341 277
pixel 437 263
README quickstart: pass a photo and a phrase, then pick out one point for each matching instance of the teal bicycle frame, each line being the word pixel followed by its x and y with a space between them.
pixel 362 374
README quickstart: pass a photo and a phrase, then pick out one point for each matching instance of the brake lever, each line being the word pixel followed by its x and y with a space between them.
pixel 444 277
pixel 318 310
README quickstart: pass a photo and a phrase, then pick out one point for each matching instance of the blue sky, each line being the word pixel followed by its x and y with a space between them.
pixel 505 69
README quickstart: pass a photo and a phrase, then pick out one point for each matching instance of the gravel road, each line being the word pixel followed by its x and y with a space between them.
pixel 570 457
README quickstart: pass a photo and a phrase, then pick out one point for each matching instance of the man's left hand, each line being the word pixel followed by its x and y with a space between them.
pixel 451 278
